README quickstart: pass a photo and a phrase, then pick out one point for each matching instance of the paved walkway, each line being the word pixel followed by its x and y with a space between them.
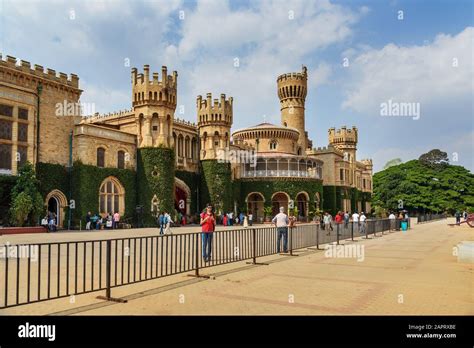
pixel 412 273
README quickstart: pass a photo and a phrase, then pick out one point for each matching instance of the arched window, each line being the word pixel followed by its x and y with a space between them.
pixel 111 196
pixel 273 144
pixel 101 157
pixel 121 159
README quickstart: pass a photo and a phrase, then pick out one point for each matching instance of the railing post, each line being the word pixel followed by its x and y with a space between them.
pixel 108 266
pixel 352 230
pixel 317 236
pixel 254 246
pixel 198 236
pixel 290 232
pixel 108 272
pixel 337 233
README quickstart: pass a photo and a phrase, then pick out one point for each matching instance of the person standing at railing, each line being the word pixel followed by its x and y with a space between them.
pixel 327 223
pixel 281 223
pixel 355 221
pixel 208 225
pixel 346 219
pixel 250 219
pixel 392 218
pixel 362 219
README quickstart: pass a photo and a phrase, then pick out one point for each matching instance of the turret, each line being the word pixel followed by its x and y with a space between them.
pixel 214 123
pixel 154 103
pixel 345 140
pixel 292 90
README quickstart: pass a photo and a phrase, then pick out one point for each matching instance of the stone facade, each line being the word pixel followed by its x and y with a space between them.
pixel 279 152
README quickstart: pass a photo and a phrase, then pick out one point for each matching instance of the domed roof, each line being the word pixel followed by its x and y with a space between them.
pixel 266 125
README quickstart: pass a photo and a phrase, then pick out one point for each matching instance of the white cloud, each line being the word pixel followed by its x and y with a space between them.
pixel 423 74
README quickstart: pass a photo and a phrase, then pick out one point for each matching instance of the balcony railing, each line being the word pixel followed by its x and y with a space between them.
pixel 280 173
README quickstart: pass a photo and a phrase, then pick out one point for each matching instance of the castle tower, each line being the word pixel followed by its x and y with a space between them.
pixel 214 123
pixel 292 90
pixel 345 140
pixel 154 103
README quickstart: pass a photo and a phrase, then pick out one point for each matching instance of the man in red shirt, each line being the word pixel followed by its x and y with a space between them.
pixel 208 224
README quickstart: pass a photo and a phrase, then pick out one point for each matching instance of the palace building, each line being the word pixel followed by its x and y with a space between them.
pixel 144 160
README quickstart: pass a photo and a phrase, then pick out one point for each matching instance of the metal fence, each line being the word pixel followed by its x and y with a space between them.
pixel 430 217
pixel 39 272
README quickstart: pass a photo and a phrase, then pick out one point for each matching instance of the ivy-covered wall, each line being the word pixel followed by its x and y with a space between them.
pixel 330 203
pixel 193 181
pixel 6 184
pixel 86 181
pixel 216 184
pixel 155 176
pixel 269 187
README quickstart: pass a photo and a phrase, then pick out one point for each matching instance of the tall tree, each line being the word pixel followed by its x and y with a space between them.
pixel 435 159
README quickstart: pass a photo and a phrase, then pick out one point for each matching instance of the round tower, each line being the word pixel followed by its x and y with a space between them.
pixel 214 123
pixel 154 103
pixel 292 90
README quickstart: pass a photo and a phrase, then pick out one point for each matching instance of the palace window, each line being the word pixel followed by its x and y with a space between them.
pixel 100 157
pixel 121 160
pixel 5 156
pixel 22 132
pixel 6 110
pixel 23 113
pixel 5 130
pixel 273 145
pixel 111 196
pixel 341 174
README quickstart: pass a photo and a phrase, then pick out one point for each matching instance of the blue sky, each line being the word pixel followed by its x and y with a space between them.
pixel 409 60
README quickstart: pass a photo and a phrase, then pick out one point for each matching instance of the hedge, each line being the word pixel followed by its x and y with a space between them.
pixel 6 184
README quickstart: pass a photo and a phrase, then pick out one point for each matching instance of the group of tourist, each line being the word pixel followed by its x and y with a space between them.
pixel 327 222
pixel 457 215
pixel 164 222
pixel 97 221
pixel 50 222
pixel 227 219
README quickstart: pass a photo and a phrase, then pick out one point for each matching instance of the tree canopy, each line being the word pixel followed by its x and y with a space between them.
pixel 428 185
pixel 394 162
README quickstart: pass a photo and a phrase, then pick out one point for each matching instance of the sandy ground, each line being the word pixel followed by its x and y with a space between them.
pixel 413 273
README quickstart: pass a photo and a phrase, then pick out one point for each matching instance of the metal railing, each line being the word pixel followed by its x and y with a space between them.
pixel 430 217
pixel 39 272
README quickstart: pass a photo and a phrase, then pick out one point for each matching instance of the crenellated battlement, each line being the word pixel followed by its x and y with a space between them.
pixel 343 136
pixel 303 76
pixel 217 111
pixel 325 149
pixel 178 121
pixel 108 116
pixel 23 66
pixel 154 91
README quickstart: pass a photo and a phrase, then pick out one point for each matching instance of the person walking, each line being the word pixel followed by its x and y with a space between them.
pixel 458 217
pixel 208 226
pixel 168 221
pixel 281 223
pixel 327 223
pixel 161 222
